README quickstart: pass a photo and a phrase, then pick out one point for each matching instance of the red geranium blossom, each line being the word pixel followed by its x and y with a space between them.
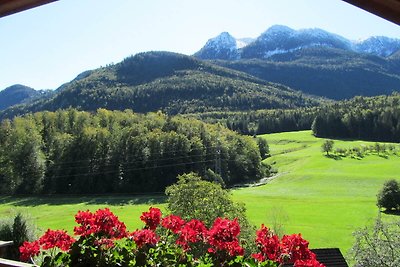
pixel 173 223
pixel 269 245
pixel 192 232
pixel 144 237
pixel 28 250
pixel 223 236
pixel 296 247
pixel 56 238
pixel 152 218
pixel 103 222
pixel 308 263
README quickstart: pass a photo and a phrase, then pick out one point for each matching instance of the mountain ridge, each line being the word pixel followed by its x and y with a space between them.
pixel 279 39
pixel 170 82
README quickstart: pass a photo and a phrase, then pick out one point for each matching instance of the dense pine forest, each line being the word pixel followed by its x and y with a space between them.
pixel 262 121
pixel 374 118
pixel 170 82
pixel 71 151
pixel 368 118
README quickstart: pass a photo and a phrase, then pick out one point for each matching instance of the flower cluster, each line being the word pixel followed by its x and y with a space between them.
pixel 145 237
pixel 290 249
pixel 170 240
pixel 102 222
pixel 51 239
pixel 152 218
pixel 173 223
pixel 29 249
pixel 223 236
pixel 191 232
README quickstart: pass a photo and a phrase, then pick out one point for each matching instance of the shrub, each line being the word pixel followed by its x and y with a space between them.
pixel 17 229
pixel 193 198
pixel 389 196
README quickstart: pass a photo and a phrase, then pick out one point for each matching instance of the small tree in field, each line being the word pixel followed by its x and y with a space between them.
pixel 327 146
pixel 389 196
pixel 193 198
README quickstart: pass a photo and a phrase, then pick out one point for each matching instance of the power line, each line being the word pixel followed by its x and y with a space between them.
pixel 131 169
pixel 136 161
pixel 112 157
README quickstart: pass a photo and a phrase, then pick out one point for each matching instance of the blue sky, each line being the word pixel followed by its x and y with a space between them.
pixel 50 45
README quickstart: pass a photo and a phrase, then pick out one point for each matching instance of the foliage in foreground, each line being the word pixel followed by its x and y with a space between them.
pixel 193 198
pixel 17 229
pixel 102 240
pixel 378 245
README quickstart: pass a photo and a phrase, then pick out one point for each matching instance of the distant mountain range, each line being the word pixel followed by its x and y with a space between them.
pixel 313 61
pixel 17 94
pixel 282 68
pixel 281 39
pixel 173 83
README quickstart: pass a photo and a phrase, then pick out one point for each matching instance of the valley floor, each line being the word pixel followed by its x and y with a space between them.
pixel 324 198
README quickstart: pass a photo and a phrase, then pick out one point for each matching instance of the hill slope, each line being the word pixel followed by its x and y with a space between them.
pixel 16 94
pixel 170 82
pixel 314 61
pixel 328 72
pixel 323 198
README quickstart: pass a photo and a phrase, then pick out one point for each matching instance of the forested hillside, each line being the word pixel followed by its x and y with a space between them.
pixel 328 72
pixel 262 121
pixel 71 151
pixel 16 94
pixel 373 118
pixel 368 118
pixel 170 82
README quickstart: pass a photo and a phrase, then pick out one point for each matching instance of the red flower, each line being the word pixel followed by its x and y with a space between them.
pixel 296 247
pixel 28 250
pixel 223 236
pixel 269 245
pixel 152 218
pixel 311 262
pixel 192 232
pixel 144 237
pixel 56 238
pixel 103 222
pixel 173 223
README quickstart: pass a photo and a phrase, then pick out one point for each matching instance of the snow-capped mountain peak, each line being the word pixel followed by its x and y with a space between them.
pixel 278 29
pixel 280 39
pixel 223 46
pixel 378 45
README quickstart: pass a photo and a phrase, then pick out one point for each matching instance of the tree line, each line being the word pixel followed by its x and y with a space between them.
pixel 71 151
pixel 262 121
pixel 367 118
pixel 372 118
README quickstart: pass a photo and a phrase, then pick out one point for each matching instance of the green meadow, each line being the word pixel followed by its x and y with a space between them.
pixel 324 198
pixel 58 212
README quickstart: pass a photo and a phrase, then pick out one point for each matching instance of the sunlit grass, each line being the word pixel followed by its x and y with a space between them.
pixel 325 199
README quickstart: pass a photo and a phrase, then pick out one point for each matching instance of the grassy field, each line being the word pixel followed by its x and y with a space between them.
pixel 58 212
pixel 325 199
